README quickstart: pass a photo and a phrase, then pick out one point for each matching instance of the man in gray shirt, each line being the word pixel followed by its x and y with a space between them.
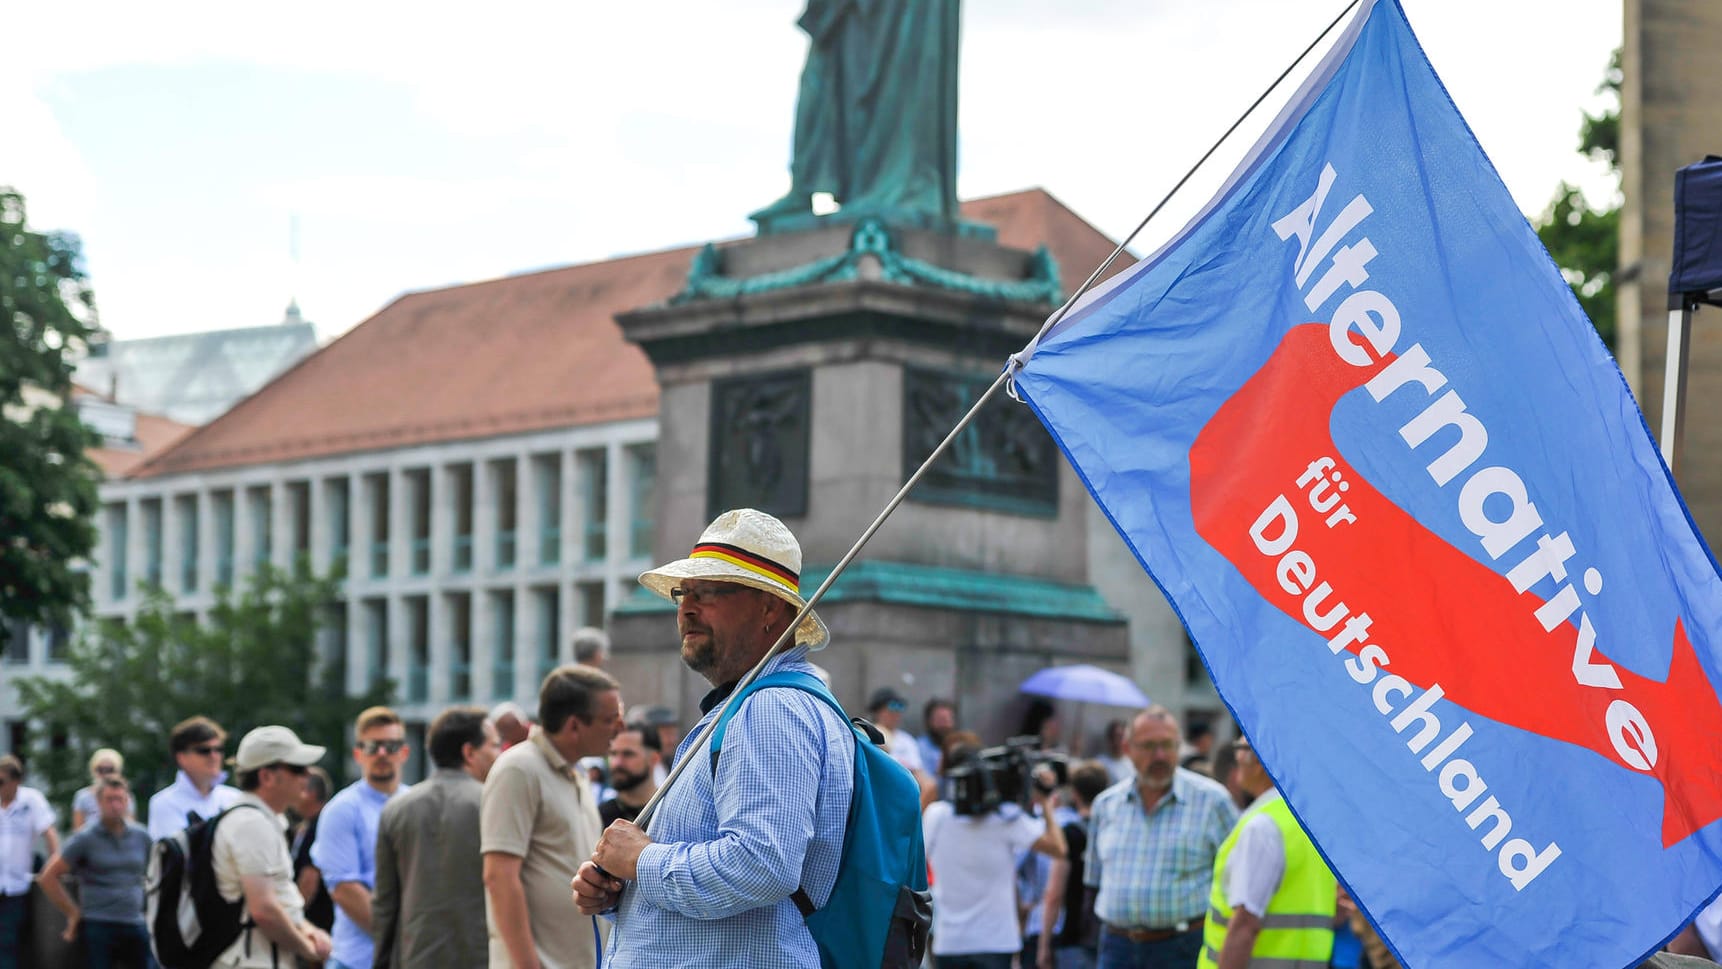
pixel 108 859
pixel 428 910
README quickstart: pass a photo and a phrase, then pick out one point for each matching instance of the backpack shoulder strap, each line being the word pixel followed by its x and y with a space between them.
pixel 793 679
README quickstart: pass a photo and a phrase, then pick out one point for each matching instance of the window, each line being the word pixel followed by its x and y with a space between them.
pixel 642 497
pixel 185 509
pixel 502 645
pixel 59 644
pixel 502 475
pixel 17 645
pixel 299 508
pixel 223 538
pixel 419 488
pixel 262 527
pixel 595 503
pixel 340 518
pixel 591 603
pixel 418 649
pixel 459 647
pixel 376 642
pixel 152 541
pixel 378 485
pixel 335 647
pixel 460 479
pixel 547 482
pixel 118 581
pixel 549 608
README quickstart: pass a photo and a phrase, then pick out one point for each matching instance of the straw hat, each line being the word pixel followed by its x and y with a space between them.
pixel 749 548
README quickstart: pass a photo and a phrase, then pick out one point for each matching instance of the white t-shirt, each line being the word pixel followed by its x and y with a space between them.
pixel 1257 862
pixel 21 823
pixel 974 884
pixel 905 750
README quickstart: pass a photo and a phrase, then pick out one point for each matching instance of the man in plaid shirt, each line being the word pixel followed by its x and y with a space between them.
pixel 1151 845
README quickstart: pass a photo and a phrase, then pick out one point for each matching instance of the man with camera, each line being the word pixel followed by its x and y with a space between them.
pixel 1151 846
pixel 973 841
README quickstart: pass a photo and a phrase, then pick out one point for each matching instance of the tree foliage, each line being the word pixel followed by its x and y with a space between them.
pixel 47 483
pixel 1584 240
pixel 252 661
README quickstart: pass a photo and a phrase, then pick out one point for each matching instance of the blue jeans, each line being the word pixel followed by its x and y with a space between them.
pixel 14 912
pixel 1178 952
pixel 976 960
pixel 1073 957
pixel 107 944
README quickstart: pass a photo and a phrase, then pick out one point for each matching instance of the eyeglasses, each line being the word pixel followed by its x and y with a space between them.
pixel 371 748
pixel 705 596
pixel 205 749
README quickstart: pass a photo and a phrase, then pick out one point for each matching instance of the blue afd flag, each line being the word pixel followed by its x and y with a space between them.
pixel 1356 426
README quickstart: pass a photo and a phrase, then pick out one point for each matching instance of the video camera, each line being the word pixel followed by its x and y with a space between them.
pixel 1003 775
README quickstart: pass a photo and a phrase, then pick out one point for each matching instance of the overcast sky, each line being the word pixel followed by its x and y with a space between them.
pixel 421 145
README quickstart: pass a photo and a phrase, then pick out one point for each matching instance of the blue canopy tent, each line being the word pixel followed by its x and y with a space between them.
pixel 1695 280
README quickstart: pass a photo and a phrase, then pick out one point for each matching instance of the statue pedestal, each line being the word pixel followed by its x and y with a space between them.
pixel 813 396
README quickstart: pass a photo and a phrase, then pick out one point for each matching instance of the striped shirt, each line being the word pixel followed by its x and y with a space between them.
pixel 1155 869
pixel 728 851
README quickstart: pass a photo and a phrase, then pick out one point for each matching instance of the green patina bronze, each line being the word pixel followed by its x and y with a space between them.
pixel 871 240
pixel 905 584
pixel 876 116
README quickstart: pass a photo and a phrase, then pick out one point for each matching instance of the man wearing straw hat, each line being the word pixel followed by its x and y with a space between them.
pixel 736 843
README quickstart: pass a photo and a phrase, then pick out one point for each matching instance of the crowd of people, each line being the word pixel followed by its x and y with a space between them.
pixel 520 848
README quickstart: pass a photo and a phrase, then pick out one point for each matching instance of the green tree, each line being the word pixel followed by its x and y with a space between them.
pixel 47 483
pixel 1585 241
pixel 252 661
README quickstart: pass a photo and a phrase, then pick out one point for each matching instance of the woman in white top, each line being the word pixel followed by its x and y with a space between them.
pixel 104 763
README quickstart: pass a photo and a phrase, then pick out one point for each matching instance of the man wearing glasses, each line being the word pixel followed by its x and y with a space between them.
pixel 197 744
pixel 1152 840
pixel 739 846
pixel 346 847
pixel 251 860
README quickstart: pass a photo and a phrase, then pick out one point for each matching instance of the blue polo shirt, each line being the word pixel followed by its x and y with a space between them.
pixel 346 851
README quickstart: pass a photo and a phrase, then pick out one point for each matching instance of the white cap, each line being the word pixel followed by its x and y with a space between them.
pixel 275 745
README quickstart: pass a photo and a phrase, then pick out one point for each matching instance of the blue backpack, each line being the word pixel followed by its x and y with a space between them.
pixel 880 911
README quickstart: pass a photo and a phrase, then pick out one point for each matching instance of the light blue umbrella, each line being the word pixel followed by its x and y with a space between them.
pixel 1083 683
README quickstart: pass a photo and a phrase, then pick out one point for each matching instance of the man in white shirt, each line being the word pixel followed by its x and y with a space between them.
pixel 885 709
pixel 197 745
pixel 24 816
pixel 251 859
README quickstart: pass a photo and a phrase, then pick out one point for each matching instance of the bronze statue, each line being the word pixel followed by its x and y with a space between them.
pixel 876 116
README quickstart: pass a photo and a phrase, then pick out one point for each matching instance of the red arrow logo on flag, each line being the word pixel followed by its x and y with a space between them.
pixel 1443 616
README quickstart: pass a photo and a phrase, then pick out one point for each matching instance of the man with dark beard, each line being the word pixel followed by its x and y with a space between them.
pixel 1152 840
pixel 634 757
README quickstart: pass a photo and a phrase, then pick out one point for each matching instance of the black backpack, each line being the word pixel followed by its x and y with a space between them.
pixel 190 924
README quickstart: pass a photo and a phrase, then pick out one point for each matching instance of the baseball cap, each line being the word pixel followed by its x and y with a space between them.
pixel 275 745
pixel 884 696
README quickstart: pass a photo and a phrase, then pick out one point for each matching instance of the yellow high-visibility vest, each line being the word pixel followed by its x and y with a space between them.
pixel 1297 928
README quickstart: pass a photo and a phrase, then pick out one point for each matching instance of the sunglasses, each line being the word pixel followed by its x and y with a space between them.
pixel 294 769
pixel 107 769
pixel 205 749
pixel 371 748
pixel 705 596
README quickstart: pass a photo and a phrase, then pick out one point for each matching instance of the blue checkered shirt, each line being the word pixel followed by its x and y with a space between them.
pixel 713 888
pixel 1155 870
